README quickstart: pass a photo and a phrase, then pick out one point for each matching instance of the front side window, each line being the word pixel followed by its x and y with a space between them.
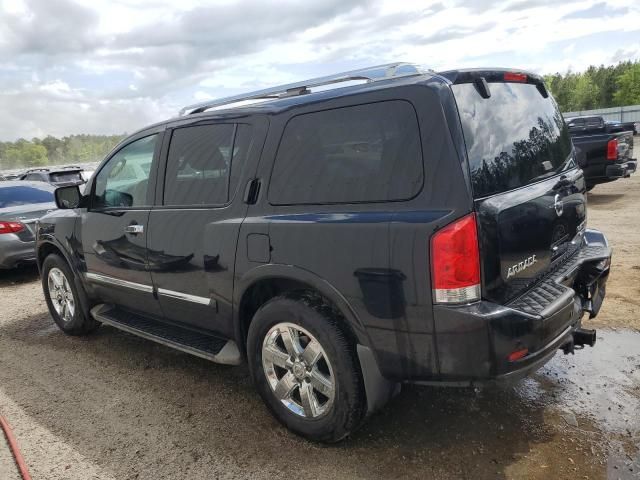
pixel 198 165
pixel 363 153
pixel 124 180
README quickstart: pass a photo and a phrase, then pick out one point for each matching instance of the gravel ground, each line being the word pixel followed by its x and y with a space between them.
pixel 113 406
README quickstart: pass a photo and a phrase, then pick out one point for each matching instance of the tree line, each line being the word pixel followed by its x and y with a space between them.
pixel 55 151
pixel 597 87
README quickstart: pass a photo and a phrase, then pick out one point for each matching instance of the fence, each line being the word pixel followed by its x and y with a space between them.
pixel 630 113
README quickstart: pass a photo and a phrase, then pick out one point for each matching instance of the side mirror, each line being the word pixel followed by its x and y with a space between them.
pixel 68 197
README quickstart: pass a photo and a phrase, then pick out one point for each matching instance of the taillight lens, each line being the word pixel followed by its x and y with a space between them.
pixel 612 149
pixel 11 227
pixel 455 262
pixel 515 77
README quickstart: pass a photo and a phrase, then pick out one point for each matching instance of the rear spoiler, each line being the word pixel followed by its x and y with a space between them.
pixel 481 79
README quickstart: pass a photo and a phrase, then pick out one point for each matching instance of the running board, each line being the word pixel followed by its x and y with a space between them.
pixel 186 340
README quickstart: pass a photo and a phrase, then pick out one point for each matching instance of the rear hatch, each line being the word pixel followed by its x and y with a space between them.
pixel 66 178
pixel 528 192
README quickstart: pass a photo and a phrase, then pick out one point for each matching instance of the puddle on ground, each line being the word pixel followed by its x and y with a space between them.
pixel 601 383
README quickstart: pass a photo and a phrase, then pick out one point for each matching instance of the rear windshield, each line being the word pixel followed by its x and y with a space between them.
pixel 24 195
pixel 514 138
pixel 66 177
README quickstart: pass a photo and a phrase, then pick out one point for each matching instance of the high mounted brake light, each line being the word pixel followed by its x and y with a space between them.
pixel 515 77
pixel 11 227
pixel 455 262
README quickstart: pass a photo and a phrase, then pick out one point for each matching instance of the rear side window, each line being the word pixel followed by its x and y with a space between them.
pixel 364 153
pixel 594 122
pixel 514 138
pixel 198 165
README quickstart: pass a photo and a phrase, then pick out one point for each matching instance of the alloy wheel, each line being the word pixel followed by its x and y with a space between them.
pixel 298 370
pixel 61 294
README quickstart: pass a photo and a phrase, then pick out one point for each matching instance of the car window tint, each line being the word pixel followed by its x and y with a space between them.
pixel 513 138
pixel 24 195
pixel 364 153
pixel 594 122
pixel 198 165
pixel 124 180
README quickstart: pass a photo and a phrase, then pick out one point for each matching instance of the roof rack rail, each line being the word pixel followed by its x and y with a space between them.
pixel 370 74
pixel 31 170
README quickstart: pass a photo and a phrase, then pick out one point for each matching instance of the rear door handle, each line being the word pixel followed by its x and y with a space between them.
pixel 134 229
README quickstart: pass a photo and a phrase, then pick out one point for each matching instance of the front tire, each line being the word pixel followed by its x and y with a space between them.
pixel 63 298
pixel 305 368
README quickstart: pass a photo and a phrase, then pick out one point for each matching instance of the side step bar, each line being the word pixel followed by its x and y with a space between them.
pixel 186 340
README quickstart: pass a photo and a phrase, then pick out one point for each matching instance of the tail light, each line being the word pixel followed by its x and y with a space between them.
pixel 455 262
pixel 11 227
pixel 612 149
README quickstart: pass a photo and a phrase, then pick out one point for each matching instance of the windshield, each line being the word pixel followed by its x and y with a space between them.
pixel 514 138
pixel 24 195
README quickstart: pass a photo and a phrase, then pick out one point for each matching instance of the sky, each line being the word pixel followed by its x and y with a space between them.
pixel 114 66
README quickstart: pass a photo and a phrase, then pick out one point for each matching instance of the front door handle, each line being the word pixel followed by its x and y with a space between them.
pixel 134 229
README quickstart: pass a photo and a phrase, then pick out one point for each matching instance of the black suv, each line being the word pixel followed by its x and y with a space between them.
pixel 59 177
pixel 407 226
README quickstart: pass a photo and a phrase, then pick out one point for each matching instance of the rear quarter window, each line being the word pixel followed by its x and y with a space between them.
pixel 514 138
pixel 363 153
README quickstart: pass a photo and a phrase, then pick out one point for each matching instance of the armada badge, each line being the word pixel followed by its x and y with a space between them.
pixel 521 266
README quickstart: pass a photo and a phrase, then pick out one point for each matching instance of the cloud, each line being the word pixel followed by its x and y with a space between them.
pixel 74 66
pixel 452 33
pixel 598 10
pixel 48 27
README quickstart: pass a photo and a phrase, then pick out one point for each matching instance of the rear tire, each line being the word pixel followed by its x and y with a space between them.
pixel 305 368
pixel 63 297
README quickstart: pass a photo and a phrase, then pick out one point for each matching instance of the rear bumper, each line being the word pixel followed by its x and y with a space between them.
pixel 15 252
pixel 621 170
pixel 474 341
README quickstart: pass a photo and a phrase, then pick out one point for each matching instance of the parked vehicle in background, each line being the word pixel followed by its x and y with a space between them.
pixel 9 176
pixel 86 174
pixel 21 205
pixel 414 227
pixel 59 177
pixel 614 127
pixel 597 124
pixel 603 156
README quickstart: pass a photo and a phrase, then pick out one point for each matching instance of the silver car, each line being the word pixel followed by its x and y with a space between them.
pixel 21 205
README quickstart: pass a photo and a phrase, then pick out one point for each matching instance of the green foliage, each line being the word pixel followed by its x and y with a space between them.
pixel 54 151
pixel 597 87
pixel 629 87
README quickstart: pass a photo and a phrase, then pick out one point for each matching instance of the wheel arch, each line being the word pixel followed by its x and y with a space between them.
pixel 50 246
pixel 262 283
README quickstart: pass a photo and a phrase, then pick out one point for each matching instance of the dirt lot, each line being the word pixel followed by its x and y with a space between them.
pixel 112 406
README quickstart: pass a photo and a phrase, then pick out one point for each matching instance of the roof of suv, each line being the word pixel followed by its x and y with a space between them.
pixel 271 106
